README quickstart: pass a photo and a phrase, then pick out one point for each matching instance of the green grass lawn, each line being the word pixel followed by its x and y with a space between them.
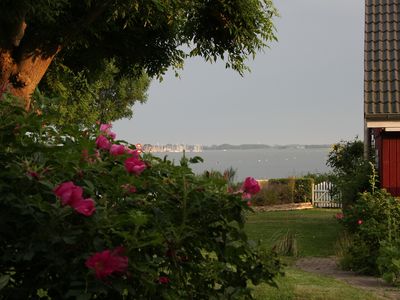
pixel 297 285
pixel 316 230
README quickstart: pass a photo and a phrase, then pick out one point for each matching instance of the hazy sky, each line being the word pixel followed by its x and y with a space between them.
pixel 307 88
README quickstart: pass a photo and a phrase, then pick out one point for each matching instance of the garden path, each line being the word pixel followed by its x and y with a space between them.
pixel 328 266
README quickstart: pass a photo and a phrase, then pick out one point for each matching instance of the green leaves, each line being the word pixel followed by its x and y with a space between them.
pixel 145 36
pixel 174 225
pixel 350 170
pixel 138 218
pixel 84 97
pixel 4 279
pixel 196 160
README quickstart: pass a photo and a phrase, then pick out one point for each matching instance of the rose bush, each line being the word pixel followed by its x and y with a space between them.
pixel 250 186
pixel 78 222
pixel 372 221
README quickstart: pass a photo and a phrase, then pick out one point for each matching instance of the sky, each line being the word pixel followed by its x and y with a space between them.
pixel 307 88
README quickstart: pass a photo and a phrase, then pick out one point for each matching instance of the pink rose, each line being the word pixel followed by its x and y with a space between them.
pixel 339 216
pixel 359 222
pixel 134 165
pixel 108 262
pixel 112 135
pixel 105 127
pixel 129 188
pixel 246 196
pixel 34 175
pixel 90 158
pixel 251 186
pixel 85 207
pixel 103 143
pixel 85 155
pixel 163 280
pixel 116 150
pixel 69 193
pixel 134 152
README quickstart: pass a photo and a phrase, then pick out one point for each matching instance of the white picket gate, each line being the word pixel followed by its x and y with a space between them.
pixel 322 196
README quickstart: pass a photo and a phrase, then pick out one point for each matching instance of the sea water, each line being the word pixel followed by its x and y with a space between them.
pixel 260 163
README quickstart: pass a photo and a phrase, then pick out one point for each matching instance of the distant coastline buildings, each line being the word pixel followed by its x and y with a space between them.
pixel 172 148
pixel 223 147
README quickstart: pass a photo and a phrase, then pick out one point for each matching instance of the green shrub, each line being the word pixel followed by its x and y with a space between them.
pixel 389 261
pixel 284 191
pixel 372 220
pixel 288 185
pixel 272 195
pixel 350 171
pixel 159 232
pixel 303 190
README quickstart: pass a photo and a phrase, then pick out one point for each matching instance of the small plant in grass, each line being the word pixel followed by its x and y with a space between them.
pixel 342 245
pixel 286 245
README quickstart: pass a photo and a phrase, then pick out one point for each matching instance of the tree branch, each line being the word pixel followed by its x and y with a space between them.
pixel 91 17
pixel 19 33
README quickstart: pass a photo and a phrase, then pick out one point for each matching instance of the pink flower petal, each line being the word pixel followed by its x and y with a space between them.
pixel 103 143
pixel 134 165
pixel 251 186
pixel 85 207
pixel 116 150
pixel 108 262
pixel 105 127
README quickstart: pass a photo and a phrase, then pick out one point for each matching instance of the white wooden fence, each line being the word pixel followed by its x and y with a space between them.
pixel 322 196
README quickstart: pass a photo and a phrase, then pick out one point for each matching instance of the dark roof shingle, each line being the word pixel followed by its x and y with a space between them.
pixel 382 58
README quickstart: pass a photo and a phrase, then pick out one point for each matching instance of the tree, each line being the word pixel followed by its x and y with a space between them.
pixel 136 35
pixel 79 99
pixel 350 171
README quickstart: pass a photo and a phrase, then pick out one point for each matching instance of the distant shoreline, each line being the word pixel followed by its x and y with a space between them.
pixel 179 148
pixel 264 146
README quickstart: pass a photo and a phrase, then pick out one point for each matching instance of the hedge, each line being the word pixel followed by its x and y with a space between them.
pixel 284 190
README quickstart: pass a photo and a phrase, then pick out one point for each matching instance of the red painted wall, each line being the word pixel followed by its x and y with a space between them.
pixel 389 162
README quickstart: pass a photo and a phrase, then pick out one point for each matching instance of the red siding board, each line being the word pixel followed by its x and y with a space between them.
pixel 392 170
pixel 396 165
pixel 390 162
pixel 385 163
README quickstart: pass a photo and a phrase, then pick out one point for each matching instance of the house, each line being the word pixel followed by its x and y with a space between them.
pixel 382 89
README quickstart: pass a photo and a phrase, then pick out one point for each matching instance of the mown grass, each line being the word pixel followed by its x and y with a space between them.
pixel 316 230
pixel 297 285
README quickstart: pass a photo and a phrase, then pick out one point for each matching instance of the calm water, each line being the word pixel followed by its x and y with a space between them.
pixel 265 163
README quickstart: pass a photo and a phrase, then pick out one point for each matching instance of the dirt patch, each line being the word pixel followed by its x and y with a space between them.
pixel 279 207
pixel 328 266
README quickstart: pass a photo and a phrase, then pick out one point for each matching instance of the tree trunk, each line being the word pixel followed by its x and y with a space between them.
pixel 21 77
pixel 23 60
